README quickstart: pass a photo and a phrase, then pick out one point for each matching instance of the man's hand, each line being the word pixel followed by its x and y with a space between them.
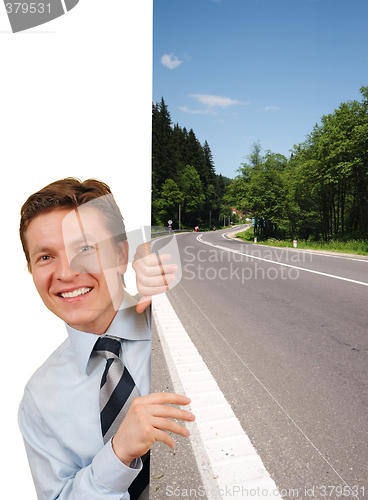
pixel 147 421
pixel 153 276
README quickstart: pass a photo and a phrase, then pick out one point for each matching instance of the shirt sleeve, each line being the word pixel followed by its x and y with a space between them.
pixel 58 476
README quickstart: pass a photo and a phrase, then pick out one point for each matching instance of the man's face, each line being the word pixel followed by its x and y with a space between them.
pixel 77 267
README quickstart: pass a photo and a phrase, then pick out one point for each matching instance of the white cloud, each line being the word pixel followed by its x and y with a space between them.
pixel 211 103
pixel 216 101
pixel 170 61
pixel 271 108
pixel 185 109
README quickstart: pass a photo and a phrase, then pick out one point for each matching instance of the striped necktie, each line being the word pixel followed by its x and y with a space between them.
pixel 117 391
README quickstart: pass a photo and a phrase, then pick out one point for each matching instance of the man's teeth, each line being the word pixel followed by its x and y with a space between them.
pixel 75 293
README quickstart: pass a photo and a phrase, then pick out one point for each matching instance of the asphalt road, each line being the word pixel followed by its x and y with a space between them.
pixel 288 346
pixel 172 471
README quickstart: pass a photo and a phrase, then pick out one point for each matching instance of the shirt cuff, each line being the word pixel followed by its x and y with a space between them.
pixel 111 473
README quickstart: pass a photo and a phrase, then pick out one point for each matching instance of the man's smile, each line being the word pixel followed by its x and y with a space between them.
pixel 75 293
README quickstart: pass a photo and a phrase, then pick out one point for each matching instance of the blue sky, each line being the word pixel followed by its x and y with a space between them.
pixel 241 71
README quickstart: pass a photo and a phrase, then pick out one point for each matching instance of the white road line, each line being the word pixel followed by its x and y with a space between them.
pixel 227 460
pixel 241 472
pixel 231 230
pixel 304 250
pixel 280 263
pixel 272 397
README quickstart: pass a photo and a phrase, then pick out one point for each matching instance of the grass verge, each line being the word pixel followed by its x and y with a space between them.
pixel 356 247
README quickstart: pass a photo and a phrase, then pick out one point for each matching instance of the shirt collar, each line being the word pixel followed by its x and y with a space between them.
pixel 127 324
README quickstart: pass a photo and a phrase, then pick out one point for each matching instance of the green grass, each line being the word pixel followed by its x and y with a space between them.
pixel 357 247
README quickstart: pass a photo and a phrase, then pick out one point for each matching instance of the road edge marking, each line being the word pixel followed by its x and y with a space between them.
pixel 227 461
pixel 226 249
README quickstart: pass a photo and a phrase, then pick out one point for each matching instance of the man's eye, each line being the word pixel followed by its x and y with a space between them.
pixel 44 257
pixel 85 248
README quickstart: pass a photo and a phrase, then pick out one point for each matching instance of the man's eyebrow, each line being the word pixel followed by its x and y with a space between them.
pixel 84 238
pixel 40 249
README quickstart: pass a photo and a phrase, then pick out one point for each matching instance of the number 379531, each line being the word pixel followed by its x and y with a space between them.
pixel 27 8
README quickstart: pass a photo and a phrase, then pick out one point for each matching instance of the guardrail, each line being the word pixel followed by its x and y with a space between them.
pixel 160 233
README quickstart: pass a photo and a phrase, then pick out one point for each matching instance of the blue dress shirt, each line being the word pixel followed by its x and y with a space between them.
pixel 59 415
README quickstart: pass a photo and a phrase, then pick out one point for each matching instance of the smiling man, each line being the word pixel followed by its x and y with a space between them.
pixel 77 279
pixel 87 416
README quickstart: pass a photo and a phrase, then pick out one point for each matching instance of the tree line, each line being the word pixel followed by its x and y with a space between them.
pixel 321 191
pixel 183 175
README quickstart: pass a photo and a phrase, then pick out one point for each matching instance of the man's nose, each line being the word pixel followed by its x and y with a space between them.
pixel 63 270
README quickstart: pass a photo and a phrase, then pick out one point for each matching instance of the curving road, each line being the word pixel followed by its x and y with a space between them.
pixel 284 333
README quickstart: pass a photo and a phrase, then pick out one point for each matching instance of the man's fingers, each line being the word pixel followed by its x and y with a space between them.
pixel 149 419
pixel 143 303
pixel 164 411
pixel 146 299
pixel 146 285
pixel 146 278
pixel 151 259
pixel 169 425
pixel 152 275
pixel 155 269
pixel 159 398
pixel 164 437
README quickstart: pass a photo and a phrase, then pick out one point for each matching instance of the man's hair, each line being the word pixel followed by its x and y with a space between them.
pixel 72 193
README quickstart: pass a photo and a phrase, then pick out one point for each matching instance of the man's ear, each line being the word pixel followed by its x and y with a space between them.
pixel 123 256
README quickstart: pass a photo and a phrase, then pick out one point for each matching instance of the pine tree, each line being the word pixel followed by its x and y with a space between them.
pixel 210 167
pixel 179 160
pixel 163 166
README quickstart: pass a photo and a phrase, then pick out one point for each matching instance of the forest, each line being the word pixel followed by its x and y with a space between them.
pixel 183 175
pixel 319 193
